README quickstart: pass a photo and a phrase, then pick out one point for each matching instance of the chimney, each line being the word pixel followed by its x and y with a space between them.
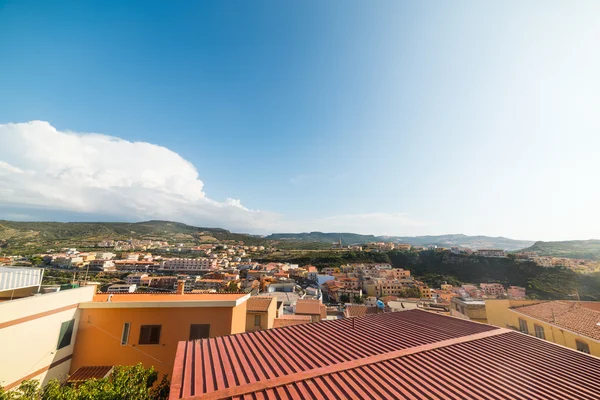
pixel 180 287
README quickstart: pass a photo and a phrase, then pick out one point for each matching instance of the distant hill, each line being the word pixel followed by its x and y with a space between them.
pixel 589 249
pixel 41 235
pixel 473 242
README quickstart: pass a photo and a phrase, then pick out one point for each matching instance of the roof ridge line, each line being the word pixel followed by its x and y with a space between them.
pixel 237 391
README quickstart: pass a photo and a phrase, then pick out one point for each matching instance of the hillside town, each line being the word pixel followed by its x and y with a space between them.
pixel 148 302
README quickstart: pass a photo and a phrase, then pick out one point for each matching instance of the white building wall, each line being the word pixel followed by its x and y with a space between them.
pixel 29 332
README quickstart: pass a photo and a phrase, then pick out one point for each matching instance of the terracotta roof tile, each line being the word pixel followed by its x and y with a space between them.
pixel 290 320
pixel 259 303
pixel 308 307
pixel 566 314
pixel 357 310
pixel 90 372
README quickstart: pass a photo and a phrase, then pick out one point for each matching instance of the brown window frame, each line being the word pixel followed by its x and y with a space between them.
pixel 146 338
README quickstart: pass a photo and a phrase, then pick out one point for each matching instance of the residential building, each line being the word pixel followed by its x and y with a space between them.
pixel 569 323
pixel 495 290
pixel 516 292
pixel 468 308
pixel 312 308
pixel 355 358
pixel 189 264
pixel 543 261
pixel 135 279
pixel 163 282
pixel 102 265
pixel 490 253
pixel 210 284
pixel 121 288
pixel 134 327
pixel 260 313
pixel 38 334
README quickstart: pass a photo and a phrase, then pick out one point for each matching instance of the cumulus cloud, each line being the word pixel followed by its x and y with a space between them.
pixel 96 175
pixel 42 167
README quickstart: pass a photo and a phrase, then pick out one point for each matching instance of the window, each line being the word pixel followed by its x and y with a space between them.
pixel 199 331
pixel 523 326
pixel 125 334
pixel 539 331
pixel 257 320
pixel 66 332
pixel 150 334
pixel 582 346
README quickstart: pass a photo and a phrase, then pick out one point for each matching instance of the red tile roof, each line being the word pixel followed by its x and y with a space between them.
pixel 92 372
pixel 410 354
pixel 259 304
pixel 566 314
pixel 289 320
pixel 356 310
pixel 308 307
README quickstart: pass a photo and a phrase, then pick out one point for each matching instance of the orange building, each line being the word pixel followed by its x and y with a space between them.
pixel 128 328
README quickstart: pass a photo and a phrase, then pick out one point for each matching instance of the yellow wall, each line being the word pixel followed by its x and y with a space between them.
pixel 554 333
pixel 500 314
pixel 498 311
pixel 267 318
pixel 100 329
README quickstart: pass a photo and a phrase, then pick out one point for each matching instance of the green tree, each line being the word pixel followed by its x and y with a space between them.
pixel 125 383
pixel 344 298
pixel 358 299
pixel 232 287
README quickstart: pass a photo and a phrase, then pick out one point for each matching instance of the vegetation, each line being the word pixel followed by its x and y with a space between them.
pixel 435 267
pixel 476 242
pixel 323 259
pixel 31 237
pixel 588 249
pixel 125 383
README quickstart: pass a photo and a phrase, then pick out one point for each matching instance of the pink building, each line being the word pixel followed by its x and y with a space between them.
pixel 492 289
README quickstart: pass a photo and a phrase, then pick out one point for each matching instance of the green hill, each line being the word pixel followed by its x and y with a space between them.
pixel 589 249
pixel 473 242
pixel 39 236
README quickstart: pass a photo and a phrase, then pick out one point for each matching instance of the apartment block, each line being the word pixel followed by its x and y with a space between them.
pixel 189 264
pixel 125 329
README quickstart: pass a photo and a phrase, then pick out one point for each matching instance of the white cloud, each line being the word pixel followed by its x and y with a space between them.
pixel 44 169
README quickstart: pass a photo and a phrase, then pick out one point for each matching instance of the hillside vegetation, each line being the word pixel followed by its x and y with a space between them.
pixel 38 236
pixel 589 249
pixel 473 242
pixel 435 267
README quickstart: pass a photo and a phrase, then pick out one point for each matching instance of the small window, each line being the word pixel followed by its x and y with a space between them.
pixel 523 326
pixel 125 334
pixel 257 320
pixel 199 331
pixel 539 331
pixel 582 346
pixel 150 334
pixel 66 333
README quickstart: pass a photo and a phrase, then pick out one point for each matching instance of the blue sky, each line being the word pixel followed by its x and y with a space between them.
pixel 400 118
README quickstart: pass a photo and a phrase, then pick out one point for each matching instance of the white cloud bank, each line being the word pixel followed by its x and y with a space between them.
pixel 42 168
